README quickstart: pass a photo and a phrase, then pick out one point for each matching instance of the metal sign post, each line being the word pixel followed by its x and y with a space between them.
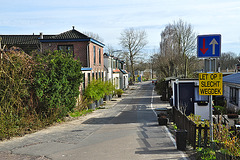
pixel 209 46
pixel 210 108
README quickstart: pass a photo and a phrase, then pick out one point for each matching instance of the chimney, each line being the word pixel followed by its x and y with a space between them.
pixel 73 27
pixel 41 35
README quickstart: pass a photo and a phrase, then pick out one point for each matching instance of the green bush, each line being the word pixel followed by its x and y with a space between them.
pixel 97 89
pixel 206 153
pixel 109 88
pixel 119 91
pixel 35 92
pixel 221 109
pixel 92 91
pixel 56 82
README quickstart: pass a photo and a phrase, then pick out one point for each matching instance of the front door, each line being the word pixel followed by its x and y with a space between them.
pixel 186 97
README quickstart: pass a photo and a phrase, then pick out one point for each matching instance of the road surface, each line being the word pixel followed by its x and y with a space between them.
pixel 126 130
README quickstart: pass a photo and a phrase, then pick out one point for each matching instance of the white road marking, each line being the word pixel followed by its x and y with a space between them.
pixel 122 110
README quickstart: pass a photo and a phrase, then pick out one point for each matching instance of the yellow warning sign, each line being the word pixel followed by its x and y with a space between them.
pixel 210 84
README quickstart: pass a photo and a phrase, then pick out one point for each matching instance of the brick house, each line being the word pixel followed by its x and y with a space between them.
pixel 87 49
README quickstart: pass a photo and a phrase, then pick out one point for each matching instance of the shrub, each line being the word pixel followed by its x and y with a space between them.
pixel 221 109
pixel 15 79
pixel 109 87
pixel 36 92
pixel 56 82
pixel 119 91
pixel 91 93
pixel 206 153
pixel 96 90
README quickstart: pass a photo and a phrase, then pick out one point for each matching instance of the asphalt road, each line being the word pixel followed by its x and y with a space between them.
pixel 126 130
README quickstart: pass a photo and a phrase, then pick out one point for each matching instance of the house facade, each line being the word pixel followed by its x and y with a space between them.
pixel 87 49
pixel 108 66
pixel 123 75
pixel 115 71
pixel 231 91
pixel 95 64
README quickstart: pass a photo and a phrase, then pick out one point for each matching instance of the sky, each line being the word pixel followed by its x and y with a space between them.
pixel 108 18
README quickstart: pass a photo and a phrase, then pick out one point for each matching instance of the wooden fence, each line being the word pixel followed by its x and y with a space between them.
pixel 197 136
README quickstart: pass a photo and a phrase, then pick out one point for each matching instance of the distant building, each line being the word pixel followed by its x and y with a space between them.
pixel 115 71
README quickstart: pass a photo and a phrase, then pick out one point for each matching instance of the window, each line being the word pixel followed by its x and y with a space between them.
pixel 84 83
pixel 92 75
pixel 234 95
pixel 66 49
pixel 99 75
pixel 114 63
pixel 96 75
pixel 88 78
pixel 94 54
pixel 102 76
pixel 99 51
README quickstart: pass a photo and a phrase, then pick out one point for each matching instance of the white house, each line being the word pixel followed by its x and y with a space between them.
pixel 115 71
pixel 231 91
pixel 108 66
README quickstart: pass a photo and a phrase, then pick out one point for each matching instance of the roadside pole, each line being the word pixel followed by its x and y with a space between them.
pixel 210 118
pixel 210 83
pixel 210 106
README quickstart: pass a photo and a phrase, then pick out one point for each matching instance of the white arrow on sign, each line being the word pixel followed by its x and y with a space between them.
pixel 213 42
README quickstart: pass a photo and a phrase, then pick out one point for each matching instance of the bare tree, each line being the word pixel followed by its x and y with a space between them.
pixel 228 61
pixel 133 41
pixel 178 42
pixel 185 40
pixel 94 36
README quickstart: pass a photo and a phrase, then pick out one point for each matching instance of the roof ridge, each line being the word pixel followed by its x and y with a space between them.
pixel 70 34
pixel 21 39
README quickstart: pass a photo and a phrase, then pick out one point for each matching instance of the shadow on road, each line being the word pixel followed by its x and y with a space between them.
pixel 135 114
